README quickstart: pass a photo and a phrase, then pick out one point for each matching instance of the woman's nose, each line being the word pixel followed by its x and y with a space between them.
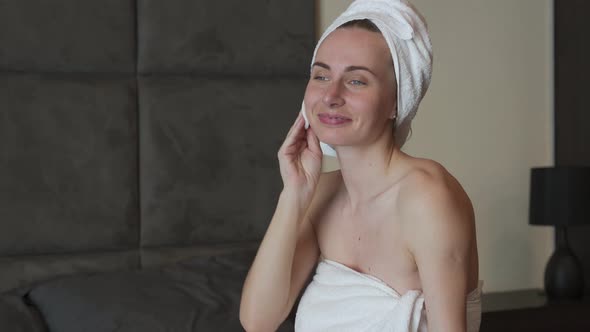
pixel 333 95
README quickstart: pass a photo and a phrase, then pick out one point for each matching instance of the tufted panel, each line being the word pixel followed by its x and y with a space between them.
pixel 255 37
pixel 142 131
pixel 68 173
pixel 24 270
pixel 67 35
pixel 208 155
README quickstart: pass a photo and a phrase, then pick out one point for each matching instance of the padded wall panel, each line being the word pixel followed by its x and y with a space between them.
pixel 208 153
pixel 23 271
pixel 68 164
pixel 251 37
pixel 163 256
pixel 67 35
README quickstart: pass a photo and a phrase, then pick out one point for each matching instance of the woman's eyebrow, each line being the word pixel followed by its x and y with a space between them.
pixel 349 68
pixel 321 64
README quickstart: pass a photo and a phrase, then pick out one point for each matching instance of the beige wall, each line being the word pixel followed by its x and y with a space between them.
pixel 487 118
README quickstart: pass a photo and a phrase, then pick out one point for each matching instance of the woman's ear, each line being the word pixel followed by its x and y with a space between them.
pixel 393 114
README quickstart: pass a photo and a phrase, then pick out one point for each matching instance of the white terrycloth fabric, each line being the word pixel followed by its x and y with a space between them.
pixel 406 34
pixel 341 299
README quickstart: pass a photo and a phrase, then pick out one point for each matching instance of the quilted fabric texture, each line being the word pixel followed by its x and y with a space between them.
pixel 208 155
pixel 245 38
pixel 16 316
pixel 134 126
pixel 67 36
pixel 68 164
pixel 199 294
pixel 134 134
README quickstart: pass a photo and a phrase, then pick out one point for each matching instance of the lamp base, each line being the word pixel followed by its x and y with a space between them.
pixel 564 278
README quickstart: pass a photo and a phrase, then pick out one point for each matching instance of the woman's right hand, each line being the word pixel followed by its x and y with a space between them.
pixel 300 160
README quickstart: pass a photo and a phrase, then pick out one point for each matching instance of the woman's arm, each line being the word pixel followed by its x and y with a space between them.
pixel 285 258
pixel 440 236
pixel 289 249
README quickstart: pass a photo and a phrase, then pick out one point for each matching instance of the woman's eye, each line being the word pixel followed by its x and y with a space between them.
pixel 357 82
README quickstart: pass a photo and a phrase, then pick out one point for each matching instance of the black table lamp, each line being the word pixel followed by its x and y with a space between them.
pixel 560 197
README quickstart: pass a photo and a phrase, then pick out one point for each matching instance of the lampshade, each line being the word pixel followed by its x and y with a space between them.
pixel 560 196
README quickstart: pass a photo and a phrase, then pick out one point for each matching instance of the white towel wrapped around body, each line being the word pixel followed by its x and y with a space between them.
pixel 341 299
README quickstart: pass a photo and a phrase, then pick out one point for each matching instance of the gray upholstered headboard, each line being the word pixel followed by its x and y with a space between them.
pixel 135 133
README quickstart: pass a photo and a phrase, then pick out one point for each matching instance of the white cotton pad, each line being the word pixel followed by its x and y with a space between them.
pixel 304 115
pixel 327 150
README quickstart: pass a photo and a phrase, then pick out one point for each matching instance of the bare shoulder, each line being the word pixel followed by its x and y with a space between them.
pixel 427 178
pixel 429 194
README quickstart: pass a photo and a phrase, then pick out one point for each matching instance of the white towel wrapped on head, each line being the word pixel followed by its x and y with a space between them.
pixel 406 34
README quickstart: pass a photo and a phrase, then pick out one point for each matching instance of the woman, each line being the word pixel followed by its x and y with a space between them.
pixel 393 236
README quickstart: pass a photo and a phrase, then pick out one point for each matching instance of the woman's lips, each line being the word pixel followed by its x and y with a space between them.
pixel 333 119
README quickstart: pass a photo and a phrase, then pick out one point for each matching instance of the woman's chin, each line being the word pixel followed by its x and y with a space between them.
pixel 334 137
pixel 333 141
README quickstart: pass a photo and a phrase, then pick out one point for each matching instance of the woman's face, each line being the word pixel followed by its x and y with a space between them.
pixel 351 92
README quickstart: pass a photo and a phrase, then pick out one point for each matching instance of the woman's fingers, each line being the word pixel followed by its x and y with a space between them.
pixel 313 142
pixel 300 155
pixel 295 133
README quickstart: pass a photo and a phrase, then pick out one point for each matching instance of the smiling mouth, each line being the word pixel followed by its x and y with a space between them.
pixel 333 119
pixel 327 116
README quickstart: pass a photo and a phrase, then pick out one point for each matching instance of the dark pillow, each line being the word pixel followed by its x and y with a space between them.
pixel 200 294
pixel 16 316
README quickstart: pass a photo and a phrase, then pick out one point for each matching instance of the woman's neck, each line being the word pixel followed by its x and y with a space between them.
pixel 367 170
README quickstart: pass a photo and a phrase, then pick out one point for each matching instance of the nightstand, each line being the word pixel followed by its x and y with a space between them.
pixel 530 310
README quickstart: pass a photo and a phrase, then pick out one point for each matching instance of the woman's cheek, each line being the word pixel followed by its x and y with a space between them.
pixel 312 96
